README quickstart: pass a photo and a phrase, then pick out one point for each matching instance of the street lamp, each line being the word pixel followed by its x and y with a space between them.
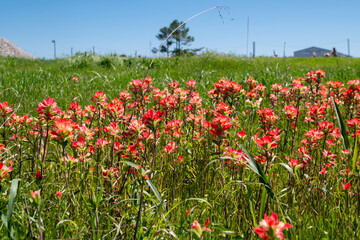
pixel 53 41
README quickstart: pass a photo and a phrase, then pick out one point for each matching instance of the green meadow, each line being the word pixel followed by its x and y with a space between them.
pixel 24 83
pixel 209 147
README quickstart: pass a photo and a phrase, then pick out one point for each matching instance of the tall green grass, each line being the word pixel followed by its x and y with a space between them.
pixel 25 83
pixel 234 200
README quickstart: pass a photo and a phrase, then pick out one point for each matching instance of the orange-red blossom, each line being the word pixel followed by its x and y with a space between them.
pixel 270 228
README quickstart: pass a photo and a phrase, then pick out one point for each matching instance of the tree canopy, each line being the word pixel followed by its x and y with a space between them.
pixel 179 39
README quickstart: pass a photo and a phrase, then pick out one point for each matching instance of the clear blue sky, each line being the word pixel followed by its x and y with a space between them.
pixel 126 26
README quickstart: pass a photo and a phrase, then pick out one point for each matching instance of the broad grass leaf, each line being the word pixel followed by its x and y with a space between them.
pixel 225 231
pixel 149 182
pixel 254 166
pixel 262 204
pixel 355 155
pixel 154 189
pixel 251 204
pixel 7 219
pixel 13 191
pixel 342 127
pixel 286 166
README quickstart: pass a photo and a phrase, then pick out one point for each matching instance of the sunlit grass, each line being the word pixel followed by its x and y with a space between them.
pixel 123 177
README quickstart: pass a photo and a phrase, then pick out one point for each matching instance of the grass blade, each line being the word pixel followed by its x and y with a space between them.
pixel 251 204
pixel 262 204
pixel 154 189
pixel 149 182
pixel 341 126
pixel 254 166
pixel 13 191
pixel 355 156
pixel 10 210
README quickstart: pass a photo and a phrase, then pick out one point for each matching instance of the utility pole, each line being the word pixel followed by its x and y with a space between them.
pixel 71 52
pixel 53 41
pixel 253 49
pixel 348 43
pixel 93 50
pixel 247 46
pixel 286 73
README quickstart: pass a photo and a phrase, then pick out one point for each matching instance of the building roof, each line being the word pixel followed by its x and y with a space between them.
pixel 313 48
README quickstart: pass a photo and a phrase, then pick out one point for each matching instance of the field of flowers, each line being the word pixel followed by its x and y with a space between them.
pixel 241 160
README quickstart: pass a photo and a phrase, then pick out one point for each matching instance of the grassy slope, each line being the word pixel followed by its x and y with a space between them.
pixel 28 82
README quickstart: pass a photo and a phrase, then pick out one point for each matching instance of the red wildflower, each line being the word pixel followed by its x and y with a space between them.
pixel 101 142
pixel 220 124
pixel 315 113
pixel 99 97
pixel 225 89
pixel 2 146
pixel 198 229
pixel 125 96
pixel 63 129
pixel 222 109
pixel 168 102
pixel 271 228
pixel 138 86
pixel 326 127
pixel 323 171
pixel 151 118
pixel 38 175
pixel 48 108
pixel 187 212
pixel 35 194
pixel 170 147
pixel 354 124
pixel 4 171
pixel 346 186
pixel 191 85
pixel 173 85
pixel 75 79
pixel 136 126
pixel 172 127
pixel 58 194
pixel 5 110
pixel 266 142
pixel 113 129
pixel 294 163
pixel 267 118
pixel 290 112
pixel 241 134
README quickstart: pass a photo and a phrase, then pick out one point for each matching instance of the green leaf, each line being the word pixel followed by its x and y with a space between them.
pixel 13 191
pixel 104 214
pixel 341 126
pixel 224 230
pixel 200 200
pixel 149 182
pixel 12 196
pixel 251 204
pixel 154 189
pixel 131 164
pixel 262 204
pixel 355 156
pixel 254 166
pixel 286 166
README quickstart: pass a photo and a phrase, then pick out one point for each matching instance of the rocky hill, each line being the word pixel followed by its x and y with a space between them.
pixel 7 48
